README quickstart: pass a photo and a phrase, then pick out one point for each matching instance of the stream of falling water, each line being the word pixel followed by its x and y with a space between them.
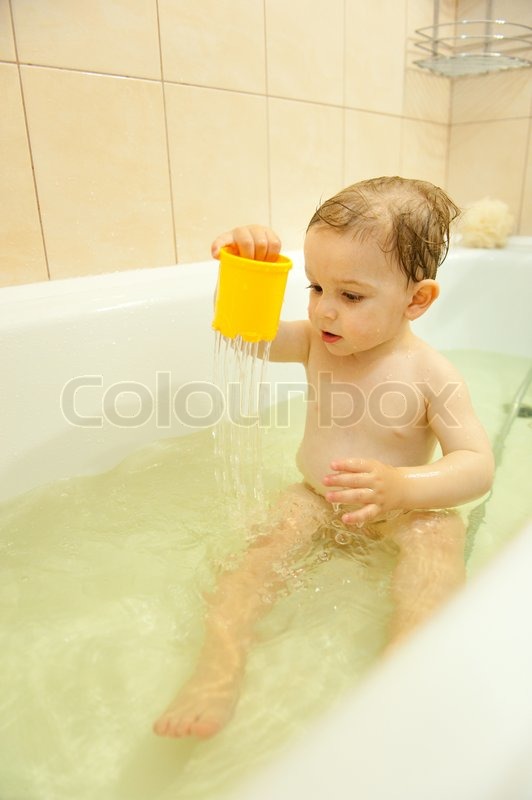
pixel 239 374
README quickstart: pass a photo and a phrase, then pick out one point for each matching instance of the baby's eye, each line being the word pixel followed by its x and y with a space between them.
pixel 351 297
pixel 314 288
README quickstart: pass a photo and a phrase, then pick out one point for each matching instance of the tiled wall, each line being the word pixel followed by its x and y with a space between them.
pixel 133 131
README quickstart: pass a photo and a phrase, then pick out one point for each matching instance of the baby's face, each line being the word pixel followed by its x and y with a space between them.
pixel 358 294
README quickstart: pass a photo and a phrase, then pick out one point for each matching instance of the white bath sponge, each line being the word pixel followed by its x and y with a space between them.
pixel 486 223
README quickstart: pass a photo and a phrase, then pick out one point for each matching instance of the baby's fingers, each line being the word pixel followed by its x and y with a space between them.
pixel 224 240
pixel 351 497
pixel 361 516
pixel 258 242
pixel 354 480
pixel 352 465
pixel 249 241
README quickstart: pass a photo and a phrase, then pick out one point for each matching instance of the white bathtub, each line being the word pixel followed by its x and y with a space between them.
pixel 450 715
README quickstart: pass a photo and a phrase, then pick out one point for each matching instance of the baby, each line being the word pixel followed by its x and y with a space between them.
pixel 380 400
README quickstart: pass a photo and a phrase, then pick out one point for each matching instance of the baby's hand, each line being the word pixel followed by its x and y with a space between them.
pixel 374 486
pixel 250 241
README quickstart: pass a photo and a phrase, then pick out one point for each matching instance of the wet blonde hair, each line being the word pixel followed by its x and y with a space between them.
pixel 409 218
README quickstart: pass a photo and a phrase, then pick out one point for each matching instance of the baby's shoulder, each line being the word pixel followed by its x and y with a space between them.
pixel 433 367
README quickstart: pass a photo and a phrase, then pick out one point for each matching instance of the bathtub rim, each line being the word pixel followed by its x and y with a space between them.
pixel 142 276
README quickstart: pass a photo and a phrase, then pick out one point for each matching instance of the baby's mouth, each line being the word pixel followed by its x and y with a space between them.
pixel 329 337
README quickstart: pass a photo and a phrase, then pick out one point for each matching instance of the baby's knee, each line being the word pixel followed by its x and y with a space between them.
pixel 435 530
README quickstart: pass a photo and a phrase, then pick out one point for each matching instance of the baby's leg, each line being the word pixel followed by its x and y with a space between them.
pixel 243 595
pixel 430 566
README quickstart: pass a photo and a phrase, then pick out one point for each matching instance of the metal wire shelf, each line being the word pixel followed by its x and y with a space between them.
pixel 474 47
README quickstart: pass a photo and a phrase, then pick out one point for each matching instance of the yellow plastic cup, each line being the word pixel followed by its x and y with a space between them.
pixel 250 296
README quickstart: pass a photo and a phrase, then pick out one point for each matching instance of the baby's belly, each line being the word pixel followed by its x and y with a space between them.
pixel 320 447
pixel 314 459
pixel 312 477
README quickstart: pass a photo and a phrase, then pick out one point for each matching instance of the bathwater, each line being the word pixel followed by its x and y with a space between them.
pixel 102 614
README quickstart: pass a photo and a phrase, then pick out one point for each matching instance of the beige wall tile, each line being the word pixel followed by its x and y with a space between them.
pixel 427 96
pixel 501 95
pixel 219 160
pixel 22 257
pixel 214 44
pixel 514 10
pixel 372 145
pixel 424 151
pixel 488 159
pixel 115 36
pixel 305 46
pixel 306 163
pixel 375 55
pixel 525 222
pixel 101 169
pixel 471 9
pixel 420 13
pixel 7 44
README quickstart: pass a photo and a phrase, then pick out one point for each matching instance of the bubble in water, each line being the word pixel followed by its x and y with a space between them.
pixel 342 537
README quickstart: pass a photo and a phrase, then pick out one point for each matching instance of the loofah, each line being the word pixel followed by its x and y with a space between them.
pixel 486 223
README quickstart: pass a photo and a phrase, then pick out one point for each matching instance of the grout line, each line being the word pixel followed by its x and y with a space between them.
pixel 121 75
pixel 167 138
pixel 28 139
pixel 345 179
pixel 492 121
pixel 247 93
pixel 34 65
pixel 447 169
pixel 528 154
pixel 402 136
pixel 268 128
pixel 450 120
pixel 252 93
pixel 450 125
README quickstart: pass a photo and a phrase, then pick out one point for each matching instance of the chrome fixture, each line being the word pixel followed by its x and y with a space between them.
pixel 474 46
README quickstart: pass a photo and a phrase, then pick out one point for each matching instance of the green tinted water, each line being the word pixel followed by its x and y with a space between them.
pixel 101 615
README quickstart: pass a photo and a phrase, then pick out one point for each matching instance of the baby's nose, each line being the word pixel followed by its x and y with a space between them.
pixel 326 308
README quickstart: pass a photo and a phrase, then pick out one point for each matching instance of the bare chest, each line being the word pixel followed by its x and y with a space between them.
pixel 378 410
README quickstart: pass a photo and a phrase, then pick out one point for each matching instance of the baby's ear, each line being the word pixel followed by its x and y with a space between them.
pixel 424 294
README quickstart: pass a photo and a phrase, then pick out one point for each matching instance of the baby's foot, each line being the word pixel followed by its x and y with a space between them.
pixel 202 707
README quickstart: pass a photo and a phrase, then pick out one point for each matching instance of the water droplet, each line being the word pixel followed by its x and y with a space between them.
pixel 342 537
